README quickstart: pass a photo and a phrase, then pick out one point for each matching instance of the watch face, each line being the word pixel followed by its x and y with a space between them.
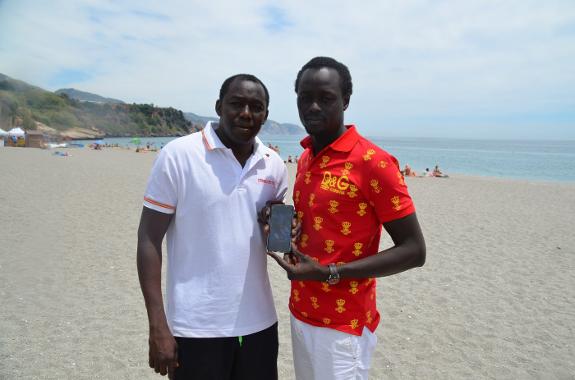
pixel 333 277
pixel 332 280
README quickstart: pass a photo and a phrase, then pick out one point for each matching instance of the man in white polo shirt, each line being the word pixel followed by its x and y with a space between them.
pixel 204 193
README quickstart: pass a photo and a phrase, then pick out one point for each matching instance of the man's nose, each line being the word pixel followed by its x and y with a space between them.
pixel 246 109
pixel 314 107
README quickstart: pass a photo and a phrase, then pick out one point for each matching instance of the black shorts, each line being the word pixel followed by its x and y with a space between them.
pixel 226 359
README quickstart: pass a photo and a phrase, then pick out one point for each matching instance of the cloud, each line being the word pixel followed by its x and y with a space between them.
pixel 276 19
pixel 416 64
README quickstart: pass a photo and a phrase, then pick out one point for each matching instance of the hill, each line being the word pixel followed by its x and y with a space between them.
pixel 81 115
pixel 270 128
pixel 87 96
pixel 29 106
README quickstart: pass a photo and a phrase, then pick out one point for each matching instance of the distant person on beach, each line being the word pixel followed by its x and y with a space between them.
pixel 438 173
pixel 408 172
pixel 345 189
pixel 204 192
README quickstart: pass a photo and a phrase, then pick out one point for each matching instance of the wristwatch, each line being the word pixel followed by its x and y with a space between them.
pixel 333 277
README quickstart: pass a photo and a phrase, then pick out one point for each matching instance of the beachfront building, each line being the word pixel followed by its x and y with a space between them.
pixel 35 139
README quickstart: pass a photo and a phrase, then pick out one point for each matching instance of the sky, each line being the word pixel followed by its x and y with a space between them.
pixel 444 68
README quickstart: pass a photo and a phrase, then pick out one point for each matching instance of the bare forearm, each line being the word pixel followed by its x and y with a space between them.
pixel 385 263
pixel 150 274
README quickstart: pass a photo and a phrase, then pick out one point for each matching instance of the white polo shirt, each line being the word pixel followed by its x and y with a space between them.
pixel 217 282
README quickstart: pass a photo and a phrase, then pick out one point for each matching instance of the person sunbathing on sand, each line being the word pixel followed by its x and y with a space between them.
pixel 408 172
pixel 438 173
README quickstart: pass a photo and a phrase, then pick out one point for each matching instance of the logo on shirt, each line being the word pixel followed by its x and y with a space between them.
pixel 333 183
pixel 266 181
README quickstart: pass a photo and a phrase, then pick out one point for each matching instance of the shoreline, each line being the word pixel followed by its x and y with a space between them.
pixel 451 174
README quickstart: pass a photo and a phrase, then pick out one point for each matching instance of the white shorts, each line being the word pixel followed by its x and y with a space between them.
pixel 321 353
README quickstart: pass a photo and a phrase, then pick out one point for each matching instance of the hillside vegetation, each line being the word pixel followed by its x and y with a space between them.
pixel 29 106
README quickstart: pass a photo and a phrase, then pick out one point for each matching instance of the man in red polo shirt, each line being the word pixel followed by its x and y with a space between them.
pixel 346 189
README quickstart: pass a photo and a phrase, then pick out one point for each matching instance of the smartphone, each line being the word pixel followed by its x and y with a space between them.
pixel 279 237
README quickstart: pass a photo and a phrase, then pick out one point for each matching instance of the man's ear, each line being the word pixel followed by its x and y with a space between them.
pixel 345 103
pixel 266 118
pixel 219 107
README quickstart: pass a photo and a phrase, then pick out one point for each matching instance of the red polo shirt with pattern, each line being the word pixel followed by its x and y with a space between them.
pixel 342 197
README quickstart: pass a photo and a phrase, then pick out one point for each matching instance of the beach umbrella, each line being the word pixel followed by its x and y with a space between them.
pixel 17 132
pixel 3 132
pixel 136 141
pixel 99 142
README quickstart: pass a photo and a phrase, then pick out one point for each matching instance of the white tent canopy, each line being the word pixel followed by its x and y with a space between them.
pixel 18 132
pixel 3 132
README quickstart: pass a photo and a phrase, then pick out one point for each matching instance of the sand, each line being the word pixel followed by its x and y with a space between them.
pixel 496 298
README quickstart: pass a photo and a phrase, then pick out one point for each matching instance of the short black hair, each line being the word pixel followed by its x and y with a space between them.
pixel 248 77
pixel 343 71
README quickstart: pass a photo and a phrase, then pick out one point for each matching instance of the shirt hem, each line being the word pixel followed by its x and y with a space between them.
pixel 222 333
pixel 343 328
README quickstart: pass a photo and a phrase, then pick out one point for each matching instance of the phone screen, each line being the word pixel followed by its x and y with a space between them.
pixel 279 238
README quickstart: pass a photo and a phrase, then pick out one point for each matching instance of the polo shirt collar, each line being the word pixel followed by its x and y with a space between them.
pixel 344 143
pixel 212 141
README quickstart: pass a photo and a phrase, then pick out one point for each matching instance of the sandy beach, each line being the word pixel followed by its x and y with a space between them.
pixel 495 300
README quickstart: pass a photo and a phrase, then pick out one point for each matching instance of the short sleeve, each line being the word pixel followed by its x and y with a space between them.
pixel 161 192
pixel 385 188
pixel 282 183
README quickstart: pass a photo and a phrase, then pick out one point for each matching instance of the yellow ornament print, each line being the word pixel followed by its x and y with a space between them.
pixel 357 250
pixel 296 295
pixel 329 246
pixel 307 179
pixel 375 185
pixel 353 287
pixel 317 223
pixel 296 198
pixel 368 154
pixel 311 199
pixel 352 191
pixel 346 171
pixel 354 323
pixel 314 302
pixel 382 164
pixel 340 309
pixel 324 161
pixel 326 321
pixel 303 240
pixel 396 203
pixel 333 206
pixel 362 207
pixel 301 284
pixel 300 216
pixel 368 317
pixel 345 228
pixel 325 287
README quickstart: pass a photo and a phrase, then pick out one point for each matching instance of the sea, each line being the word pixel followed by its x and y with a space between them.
pixel 519 159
